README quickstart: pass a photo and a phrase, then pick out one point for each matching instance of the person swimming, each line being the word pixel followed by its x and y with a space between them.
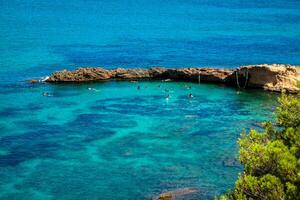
pixel 93 89
pixel 191 95
pixel 168 97
pixel 138 87
pixel 46 94
pixel 188 87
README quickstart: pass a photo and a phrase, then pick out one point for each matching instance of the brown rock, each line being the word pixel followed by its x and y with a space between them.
pixel 80 75
pixel 277 78
pixel 33 81
pixel 158 72
pixel 179 193
pixel 132 74
pixel 165 196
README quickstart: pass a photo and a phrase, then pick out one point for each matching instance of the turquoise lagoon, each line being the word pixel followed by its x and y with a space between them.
pixel 110 140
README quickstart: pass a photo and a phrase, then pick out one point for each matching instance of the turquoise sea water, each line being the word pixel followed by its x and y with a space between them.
pixel 110 140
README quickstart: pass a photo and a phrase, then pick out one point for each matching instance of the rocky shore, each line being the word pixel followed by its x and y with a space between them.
pixel 276 77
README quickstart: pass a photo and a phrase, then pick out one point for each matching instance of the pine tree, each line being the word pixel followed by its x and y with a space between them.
pixel 271 158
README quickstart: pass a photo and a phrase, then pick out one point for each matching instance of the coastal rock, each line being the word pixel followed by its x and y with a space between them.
pixel 98 74
pixel 179 193
pixel 80 75
pixel 278 78
pixel 198 74
pixel 33 81
pixel 131 74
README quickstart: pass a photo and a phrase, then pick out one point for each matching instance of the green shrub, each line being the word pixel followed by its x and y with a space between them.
pixel 271 158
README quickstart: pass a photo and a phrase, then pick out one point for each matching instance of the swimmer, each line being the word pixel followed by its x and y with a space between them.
pixel 46 94
pixel 188 87
pixel 138 87
pixel 191 95
pixel 168 97
pixel 93 89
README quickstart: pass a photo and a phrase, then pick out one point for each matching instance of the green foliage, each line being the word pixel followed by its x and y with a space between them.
pixel 288 112
pixel 298 84
pixel 272 157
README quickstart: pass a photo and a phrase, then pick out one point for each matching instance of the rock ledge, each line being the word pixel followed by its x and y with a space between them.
pixel 276 77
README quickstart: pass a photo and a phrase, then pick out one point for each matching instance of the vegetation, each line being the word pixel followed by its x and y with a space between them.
pixel 271 158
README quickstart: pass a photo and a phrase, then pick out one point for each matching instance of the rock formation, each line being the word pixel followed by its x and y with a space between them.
pixel 179 193
pixel 100 74
pixel 279 78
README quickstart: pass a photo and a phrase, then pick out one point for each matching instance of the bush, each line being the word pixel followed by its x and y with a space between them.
pixel 271 158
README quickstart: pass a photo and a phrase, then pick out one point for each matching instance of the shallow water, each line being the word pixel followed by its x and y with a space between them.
pixel 113 141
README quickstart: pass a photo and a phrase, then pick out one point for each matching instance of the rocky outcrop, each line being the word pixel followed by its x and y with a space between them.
pixel 80 75
pixel 198 74
pixel 275 77
pixel 175 194
pixel 278 78
pixel 100 74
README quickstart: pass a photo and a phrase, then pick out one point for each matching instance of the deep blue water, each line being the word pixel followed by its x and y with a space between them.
pixel 39 36
pixel 110 140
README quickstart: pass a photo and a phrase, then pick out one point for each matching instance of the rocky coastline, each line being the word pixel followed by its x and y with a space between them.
pixel 276 77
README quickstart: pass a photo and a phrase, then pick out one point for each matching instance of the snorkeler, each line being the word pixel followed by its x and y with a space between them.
pixel 46 94
pixel 93 89
pixel 168 97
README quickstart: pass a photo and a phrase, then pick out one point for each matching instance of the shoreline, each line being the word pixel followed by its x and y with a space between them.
pixel 275 77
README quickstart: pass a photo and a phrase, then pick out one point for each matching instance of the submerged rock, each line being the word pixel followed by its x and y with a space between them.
pixel 231 162
pixel 278 78
pixel 179 193
pixel 33 81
